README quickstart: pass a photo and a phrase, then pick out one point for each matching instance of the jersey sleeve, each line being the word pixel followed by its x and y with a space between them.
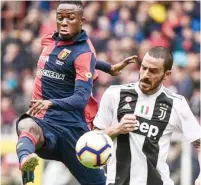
pixel 105 114
pixel 103 66
pixel 77 101
pixel 187 123
pixel 85 66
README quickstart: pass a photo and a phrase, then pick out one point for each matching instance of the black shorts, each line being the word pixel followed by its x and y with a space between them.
pixel 60 146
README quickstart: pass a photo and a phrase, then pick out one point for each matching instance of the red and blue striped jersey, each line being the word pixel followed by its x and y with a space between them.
pixel 63 66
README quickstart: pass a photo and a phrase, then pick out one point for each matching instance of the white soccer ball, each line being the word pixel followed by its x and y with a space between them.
pixel 94 149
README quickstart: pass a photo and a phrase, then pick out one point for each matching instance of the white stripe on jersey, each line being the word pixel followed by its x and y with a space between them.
pixel 138 160
pixel 111 167
pixel 162 167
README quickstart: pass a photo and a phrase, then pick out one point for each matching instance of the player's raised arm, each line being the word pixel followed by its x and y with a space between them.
pixel 115 69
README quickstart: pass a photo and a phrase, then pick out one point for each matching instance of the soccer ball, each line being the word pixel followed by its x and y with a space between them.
pixel 94 149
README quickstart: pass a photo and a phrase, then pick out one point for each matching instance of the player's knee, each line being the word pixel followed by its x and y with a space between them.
pixel 30 126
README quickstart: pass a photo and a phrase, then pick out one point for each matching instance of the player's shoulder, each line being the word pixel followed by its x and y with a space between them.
pixel 85 47
pixel 91 47
pixel 124 86
pixel 171 94
pixel 116 89
pixel 47 39
pixel 81 49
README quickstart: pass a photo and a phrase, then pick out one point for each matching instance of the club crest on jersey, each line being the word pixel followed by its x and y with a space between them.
pixel 163 110
pixel 64 54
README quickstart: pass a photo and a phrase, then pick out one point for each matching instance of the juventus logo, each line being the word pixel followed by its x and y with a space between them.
pixel 163 109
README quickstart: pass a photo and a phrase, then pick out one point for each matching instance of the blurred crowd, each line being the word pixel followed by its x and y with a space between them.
pixel 117 29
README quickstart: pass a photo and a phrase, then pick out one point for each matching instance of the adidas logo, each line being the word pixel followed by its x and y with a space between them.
pixel 126 106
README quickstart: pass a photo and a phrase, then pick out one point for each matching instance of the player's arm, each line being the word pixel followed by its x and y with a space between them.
pixel 84 67
pixel 105 117
pixel 189 127
pixel 196 143
pixel 115 69
pixel 126 125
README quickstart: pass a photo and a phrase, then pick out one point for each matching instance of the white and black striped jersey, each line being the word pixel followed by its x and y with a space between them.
pixel 139 158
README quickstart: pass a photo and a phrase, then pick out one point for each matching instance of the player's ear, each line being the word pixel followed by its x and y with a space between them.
pixel 83 20
pixel 167 74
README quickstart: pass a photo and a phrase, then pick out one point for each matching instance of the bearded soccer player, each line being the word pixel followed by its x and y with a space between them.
pixel 62 88
pixel 141 118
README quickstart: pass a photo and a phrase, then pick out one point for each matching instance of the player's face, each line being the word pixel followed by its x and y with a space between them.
pixel 152 74
pixel 69 20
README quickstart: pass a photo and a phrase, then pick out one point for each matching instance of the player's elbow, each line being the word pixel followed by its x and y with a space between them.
pixel 82 104
pixel 82 99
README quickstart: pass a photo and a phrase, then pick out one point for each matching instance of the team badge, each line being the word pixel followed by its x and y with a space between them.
pixel 88 75
pixel 64 54
pixel 128 99
pixel 163 110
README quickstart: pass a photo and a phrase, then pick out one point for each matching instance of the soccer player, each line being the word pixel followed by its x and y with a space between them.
pixel 141 117
pixel 62 89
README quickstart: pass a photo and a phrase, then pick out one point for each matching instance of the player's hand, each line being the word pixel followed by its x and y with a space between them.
pixel 117 68
pixel 127 124
pixel 36 106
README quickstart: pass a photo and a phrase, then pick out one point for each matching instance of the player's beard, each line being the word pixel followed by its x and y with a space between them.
pixel 153 87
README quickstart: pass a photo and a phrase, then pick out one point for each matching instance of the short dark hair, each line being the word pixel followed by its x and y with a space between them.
pixel 77 3
pixel 164 53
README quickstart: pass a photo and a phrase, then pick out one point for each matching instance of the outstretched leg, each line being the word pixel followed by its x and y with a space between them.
pixel 30 137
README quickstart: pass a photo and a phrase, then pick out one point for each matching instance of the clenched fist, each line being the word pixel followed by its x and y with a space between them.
pixel 127 124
